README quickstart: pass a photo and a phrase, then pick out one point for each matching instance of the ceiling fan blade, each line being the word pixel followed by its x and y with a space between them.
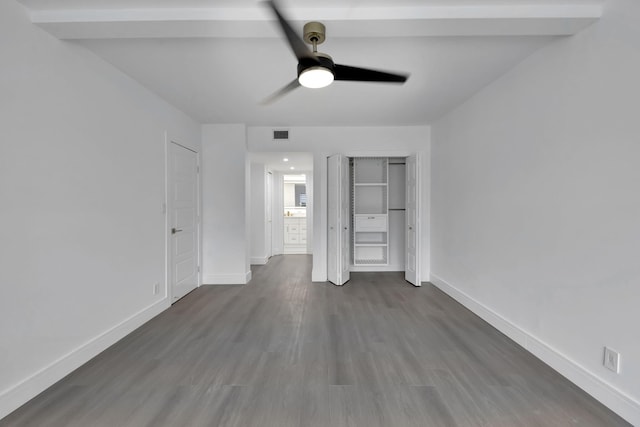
pixel 345 72
pixel 300 49
pixel 280 93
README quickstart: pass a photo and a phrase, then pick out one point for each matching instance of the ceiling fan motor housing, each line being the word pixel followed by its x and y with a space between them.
pixel 314 31
pixel 324 60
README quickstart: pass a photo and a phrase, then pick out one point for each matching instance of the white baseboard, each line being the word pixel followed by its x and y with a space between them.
pixel 294 250
pixel 226 279
pixel 16 396
pixel 616 400
pixel 259 260
pixel 318 275
pixel 365 268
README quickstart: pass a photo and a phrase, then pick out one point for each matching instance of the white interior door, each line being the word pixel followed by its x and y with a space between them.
pixel 338 229
pixel 269 215
pixel 412 256
pixel 183 203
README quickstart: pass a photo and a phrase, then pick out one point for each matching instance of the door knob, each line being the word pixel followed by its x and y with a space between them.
pixel 175 230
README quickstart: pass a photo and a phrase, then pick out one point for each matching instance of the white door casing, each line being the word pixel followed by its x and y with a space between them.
pixel 183 207
pixel 337 224
pixel 269 215
pixel 412 255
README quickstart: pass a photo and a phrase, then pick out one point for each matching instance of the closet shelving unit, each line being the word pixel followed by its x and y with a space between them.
pixel 370 207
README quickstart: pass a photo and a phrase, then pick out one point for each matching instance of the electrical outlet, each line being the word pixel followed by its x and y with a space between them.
pixel 156 288
pixel 611 360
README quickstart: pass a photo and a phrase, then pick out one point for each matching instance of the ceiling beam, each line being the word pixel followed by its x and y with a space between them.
pixel 506 20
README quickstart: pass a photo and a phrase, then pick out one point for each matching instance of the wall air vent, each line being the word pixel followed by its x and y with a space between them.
pixel 281 135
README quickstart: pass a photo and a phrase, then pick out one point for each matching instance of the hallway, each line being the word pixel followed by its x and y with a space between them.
pixel 282 351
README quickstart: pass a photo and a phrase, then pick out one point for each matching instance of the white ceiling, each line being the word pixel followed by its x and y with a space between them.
pixel 216 60
pixel 300 162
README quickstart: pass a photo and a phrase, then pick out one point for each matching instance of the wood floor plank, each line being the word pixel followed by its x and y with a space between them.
pixel 282 351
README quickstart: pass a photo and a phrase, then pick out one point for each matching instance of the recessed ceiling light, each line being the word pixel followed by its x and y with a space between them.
pixel 292 168
pixel 285 160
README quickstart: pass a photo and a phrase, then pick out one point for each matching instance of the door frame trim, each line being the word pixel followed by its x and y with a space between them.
pixel 166 208
pixel 269 211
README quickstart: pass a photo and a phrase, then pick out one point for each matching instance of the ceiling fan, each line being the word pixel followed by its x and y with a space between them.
pixel 316 69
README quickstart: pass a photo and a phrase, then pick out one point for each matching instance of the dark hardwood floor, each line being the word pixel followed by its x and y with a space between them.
pixel 282 351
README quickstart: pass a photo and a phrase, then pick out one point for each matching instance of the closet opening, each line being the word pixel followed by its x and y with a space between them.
pixel 377 213
pixel 372 216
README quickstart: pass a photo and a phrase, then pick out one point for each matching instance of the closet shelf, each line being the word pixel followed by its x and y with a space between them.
pixel 370 202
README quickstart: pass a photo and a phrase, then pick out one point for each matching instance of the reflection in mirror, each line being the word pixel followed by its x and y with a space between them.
pixel 295 191
pixel 300 195
pixel 295 195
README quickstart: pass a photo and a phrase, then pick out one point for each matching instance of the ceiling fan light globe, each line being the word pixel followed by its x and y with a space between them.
pixel 316 77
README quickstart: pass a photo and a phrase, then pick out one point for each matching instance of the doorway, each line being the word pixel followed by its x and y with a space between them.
pixel 295 199
pixel 272 196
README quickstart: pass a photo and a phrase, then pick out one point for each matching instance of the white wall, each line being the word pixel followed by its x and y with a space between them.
pixel 258 213
pixel 351 141
pixel 289 193
pixel 310 207
pixel 226 196
pixel 536 205
pixel 81 188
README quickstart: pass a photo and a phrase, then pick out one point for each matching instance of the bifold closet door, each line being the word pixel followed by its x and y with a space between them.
pixel 338 238
pixel 412 257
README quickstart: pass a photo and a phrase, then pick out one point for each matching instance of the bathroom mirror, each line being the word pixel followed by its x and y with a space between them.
pixel 295 195
pixel 301 195
pixel 295 191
